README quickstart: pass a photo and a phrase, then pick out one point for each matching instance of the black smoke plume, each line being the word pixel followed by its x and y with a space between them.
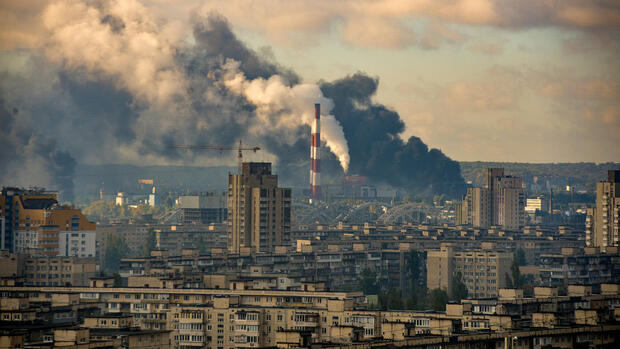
pixel 376 149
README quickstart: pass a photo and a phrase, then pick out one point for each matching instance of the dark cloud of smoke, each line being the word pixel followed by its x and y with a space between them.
pixel 93 116
pixel 376 150
pixel 28 158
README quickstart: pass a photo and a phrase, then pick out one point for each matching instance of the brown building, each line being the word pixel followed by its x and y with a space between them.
pixel 47 271
pixel 501 201
pixel 602 223
pixel 259 213
pixel 482 270
pixel 33 220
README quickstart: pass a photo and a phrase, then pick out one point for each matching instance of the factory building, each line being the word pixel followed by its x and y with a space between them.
pixel 259 213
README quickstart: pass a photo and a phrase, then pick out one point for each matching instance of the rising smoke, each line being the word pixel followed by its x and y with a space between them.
pixel 115 84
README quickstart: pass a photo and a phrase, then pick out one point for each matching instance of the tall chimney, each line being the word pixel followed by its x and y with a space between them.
pixel 315 155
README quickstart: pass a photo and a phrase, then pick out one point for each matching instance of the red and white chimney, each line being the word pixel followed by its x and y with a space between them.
pixel 315 155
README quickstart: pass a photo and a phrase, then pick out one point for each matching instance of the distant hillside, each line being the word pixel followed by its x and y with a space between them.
pixel 582 175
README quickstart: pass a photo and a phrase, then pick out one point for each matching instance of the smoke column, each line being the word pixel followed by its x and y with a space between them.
pixel 315 155
pixel 115 83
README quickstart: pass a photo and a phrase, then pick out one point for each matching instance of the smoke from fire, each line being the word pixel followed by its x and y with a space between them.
pixel 113 83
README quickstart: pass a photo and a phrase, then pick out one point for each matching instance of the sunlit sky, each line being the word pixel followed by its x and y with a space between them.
pixel 489 80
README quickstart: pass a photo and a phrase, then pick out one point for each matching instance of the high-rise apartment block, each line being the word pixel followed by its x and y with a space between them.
pixel 259 213
pixel 602 222
pixel 500 202
pixel 33 222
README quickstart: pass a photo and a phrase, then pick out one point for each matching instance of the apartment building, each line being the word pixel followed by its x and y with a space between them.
pixel 500 202
pixel 210 318
pixel 482 270
pixel 603 221
pixel 572 266
pixel 259 212
pixel 34 220
pixel 47 271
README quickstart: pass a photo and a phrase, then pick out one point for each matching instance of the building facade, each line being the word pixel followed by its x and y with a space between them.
pixel 259 213
pixel 483 271
pixel 34 221
pixel 603 222
pixel 500 202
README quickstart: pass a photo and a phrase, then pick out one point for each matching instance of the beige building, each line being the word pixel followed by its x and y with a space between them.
pixel 259 213
pixel 47 271
pixel 603 222
pixel 482 271
pixel 500 202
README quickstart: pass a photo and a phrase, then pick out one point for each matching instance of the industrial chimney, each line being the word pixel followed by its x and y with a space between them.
pixel 315 155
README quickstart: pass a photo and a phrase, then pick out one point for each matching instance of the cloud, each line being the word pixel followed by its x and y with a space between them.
pixel 386 24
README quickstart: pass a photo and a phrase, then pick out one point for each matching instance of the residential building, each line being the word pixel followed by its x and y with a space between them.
pixel 603 222
pixel 77 244
pixel 204 208
pixel 500 202
pixel 47 271
pixel 483 270
pixel 34 221
pixel 259 212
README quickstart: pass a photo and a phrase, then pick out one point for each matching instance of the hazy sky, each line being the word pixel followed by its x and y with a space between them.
pixel 490 80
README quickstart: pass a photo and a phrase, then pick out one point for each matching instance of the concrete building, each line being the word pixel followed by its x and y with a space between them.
pixel 46 271
pixel 78 244
pixel 482 270
pixel 603 222
pixel 204 208
pixel 259 213
pixel 539 203
pixel 500 202
pixel 34 221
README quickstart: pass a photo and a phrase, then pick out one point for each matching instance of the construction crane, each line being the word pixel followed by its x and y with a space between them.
pixel 239 150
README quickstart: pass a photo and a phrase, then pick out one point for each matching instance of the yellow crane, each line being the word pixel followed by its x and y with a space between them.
pixel 239 150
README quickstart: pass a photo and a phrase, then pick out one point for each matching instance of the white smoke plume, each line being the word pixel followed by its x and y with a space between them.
pixel 280 106
pixel 126 44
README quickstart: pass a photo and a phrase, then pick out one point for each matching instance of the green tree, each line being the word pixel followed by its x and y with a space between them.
pixel 115 250
pixel 438 299
pixel 514 279
pixel 149 244
pixel 368 283
pixel 118 281
pixel 459 289
pixel 395 299
pixel 519 257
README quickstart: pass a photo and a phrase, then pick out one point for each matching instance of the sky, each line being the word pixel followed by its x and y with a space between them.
pixel 481 80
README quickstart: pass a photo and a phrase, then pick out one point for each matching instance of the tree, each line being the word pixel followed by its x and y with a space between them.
pixel 438 299
pixel 368 283
pixel 115 250
pixel 459 289
pixel 395 299
pixel 118 281
pixel 519 257
pixel 149 244
pixel 514 279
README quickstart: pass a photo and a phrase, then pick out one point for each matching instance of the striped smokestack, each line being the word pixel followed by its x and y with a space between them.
pixel 315 155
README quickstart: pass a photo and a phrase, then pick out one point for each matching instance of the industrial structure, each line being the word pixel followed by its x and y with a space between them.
pixel 315 155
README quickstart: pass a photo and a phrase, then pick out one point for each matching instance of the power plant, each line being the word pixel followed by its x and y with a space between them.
pixel 315 155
